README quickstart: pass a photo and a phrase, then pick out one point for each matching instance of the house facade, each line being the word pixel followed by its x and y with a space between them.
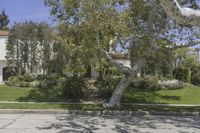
pixel 121 58
pixel 3 64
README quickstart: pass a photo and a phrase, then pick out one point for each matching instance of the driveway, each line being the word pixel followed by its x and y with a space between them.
pixel 54 123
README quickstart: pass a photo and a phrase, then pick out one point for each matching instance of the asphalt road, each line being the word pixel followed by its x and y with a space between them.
pixel 54 123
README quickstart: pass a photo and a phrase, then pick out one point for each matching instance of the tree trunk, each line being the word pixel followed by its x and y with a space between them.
pixel 123 84
pixel 120 88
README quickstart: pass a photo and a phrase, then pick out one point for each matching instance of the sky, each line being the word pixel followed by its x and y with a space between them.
pixel 21 10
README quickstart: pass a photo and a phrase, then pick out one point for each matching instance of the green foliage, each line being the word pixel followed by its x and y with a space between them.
pixel 183 74
pixel 160 63
pixel 108 78
pixel 105 69
pixel 25 78
pixel 31 48
pixel 73 87
pixel 107 85
pixel 196 75
pixel 146 84
pixel 33 80
pixel 196 78
pixel 88 26
pixel 4 21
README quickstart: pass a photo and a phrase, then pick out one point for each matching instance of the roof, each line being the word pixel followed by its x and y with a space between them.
pixel 4 33
pixel 124 56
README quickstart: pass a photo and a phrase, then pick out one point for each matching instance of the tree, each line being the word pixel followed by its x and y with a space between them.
pixel 4 21
pixel 90 27
pixel 185 61
pixel 33 48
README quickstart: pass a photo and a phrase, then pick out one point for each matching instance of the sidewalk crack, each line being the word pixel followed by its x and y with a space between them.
pixel 10 123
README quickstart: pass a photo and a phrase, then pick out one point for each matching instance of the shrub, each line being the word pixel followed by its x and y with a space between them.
pixel 30 81
pixel 196 78
pixel 25 78
pixel 29 78
pixel 51 77
pixel 35 84
pixel 171 84
pixel 41 77
pixel 183 74
pixel 73 87
pixel 145 84
pixel 13 79
pixel 18 84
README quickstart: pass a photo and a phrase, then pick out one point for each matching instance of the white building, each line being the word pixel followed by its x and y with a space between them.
pixel 122 58
pixel 3 64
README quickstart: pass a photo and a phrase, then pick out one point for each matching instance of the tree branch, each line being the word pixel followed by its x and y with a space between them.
pixel 194 43
pixel 179 14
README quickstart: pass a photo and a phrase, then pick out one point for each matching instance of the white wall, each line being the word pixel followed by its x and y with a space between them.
pixel 2 65
pixel 3 40
pixel 125 62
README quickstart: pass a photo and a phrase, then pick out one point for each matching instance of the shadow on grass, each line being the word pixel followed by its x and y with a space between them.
pixel 43 95
pixel 146 96
pixel 53 94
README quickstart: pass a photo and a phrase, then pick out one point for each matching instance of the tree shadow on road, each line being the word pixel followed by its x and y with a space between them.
pixel 122 124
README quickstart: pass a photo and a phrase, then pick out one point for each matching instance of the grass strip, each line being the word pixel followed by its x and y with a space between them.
pixel 95 107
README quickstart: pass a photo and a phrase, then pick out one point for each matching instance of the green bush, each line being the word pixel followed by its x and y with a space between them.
pixel 30 81
pixel 196 78
pixel 20 78
pixel 171 84
pixel 73 87
pixel 41 77
pixel 51 77
pixel 145 84
pixel 18 84
pixel 183 74
pixel 14 79
pixel 29 78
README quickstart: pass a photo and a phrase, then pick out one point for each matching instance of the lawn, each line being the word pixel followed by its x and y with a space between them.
pixel 186 95
pixel 22 94
pixel 8 93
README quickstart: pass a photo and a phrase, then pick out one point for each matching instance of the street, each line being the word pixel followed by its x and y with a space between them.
pixel 66 123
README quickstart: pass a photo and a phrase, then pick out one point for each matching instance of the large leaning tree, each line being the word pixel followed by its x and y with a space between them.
pixel 91 27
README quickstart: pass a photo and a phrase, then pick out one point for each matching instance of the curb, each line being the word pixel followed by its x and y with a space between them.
pixel 85 112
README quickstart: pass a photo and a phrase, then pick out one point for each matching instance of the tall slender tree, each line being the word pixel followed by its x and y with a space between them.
pixel 4 21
